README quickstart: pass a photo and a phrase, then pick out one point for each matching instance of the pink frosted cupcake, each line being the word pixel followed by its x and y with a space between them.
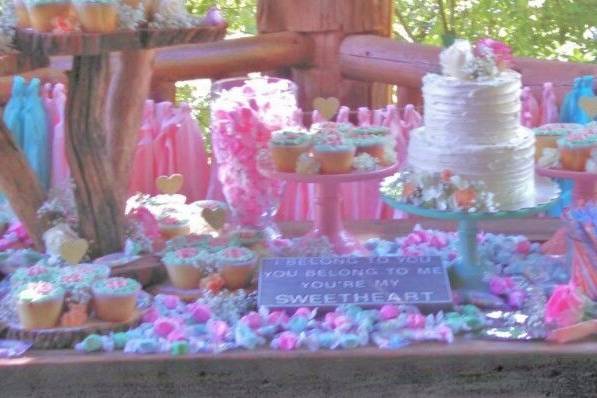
pixel 115 299
pixel 174 224
pixel 236 266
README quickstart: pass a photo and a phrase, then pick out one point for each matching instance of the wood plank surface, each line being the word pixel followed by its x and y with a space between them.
pixel 463 369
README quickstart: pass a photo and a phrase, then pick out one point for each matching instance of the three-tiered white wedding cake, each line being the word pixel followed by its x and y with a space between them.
pixel 472 128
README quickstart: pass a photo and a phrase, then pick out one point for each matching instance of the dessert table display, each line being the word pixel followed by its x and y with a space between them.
pixel 471 161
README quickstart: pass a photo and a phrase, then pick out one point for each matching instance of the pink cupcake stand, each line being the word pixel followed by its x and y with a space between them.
pixel 585 183
pixel 328 215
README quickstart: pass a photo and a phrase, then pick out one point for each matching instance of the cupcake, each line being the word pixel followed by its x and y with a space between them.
pixel 334 153
pixel 115 299
pixel 286 146
pixel 94 271
pixel 547 136
pixel 35 273
pixel 248 236
pixel 44 14
pixel 76 284
pixel 22 14
pixel 378 131
pixel 173 224
pixel 575 149
pixel 327 127
pixel 39 305
pixel 97 16
pixel 373 145
pixel 236 266
pixel 187 266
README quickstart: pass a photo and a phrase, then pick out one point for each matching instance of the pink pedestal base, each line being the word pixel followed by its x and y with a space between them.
pixel 328 216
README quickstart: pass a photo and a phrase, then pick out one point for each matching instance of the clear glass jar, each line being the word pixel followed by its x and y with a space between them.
pixel 244 113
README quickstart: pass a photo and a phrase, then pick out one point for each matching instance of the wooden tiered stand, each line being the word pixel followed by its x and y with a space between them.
pixel 335 48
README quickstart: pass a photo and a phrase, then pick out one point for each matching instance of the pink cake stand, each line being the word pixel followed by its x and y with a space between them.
pixel 328 215
pixel 584 183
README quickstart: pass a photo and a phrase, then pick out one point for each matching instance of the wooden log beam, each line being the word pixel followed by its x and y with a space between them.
pixel 101 219
pixel 233 57
pixel 376 59
pixel 21 187
pixel 128 90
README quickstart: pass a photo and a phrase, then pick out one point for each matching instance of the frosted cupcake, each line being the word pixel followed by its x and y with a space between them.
pixel 97 16
pixel 35 273
pixel 94 271
pixel 187 266
pixel 374 145
pixel 174 224
pixel 547 136
pixel 115 299
pixel 22 14
pixel 575 149
pixel 327 127
pixel 44 14
pixel 378 131
pixel 286 146
pixel 236 266
pixel 76 284
pixel 334 153
pixel 39 305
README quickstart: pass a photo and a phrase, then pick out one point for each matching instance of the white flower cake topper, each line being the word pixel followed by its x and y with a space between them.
pixel 458 60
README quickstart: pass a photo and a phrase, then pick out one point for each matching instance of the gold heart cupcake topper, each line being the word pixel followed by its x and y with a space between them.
pixel 72 251
pixel 327 107
pixel 216 218
pixel 589 105
pixel 169 184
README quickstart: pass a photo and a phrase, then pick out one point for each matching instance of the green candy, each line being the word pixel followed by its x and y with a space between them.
pixel 92 343
pixel 179 348
pixel 120 340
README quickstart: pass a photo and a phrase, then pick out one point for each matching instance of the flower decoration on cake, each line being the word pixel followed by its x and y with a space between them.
pixel 441 191
pixel 487 59
pixel 35 273
pixel 496 51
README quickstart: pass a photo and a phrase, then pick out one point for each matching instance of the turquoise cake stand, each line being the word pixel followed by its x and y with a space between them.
pixel 468 273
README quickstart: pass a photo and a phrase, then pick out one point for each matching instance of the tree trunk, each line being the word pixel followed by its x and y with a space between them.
pixel 21 187
pixel 101 218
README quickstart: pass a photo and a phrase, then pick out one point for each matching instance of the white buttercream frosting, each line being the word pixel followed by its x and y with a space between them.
pixel 472 128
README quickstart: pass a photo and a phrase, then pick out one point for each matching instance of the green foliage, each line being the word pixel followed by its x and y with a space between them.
pixel 548 29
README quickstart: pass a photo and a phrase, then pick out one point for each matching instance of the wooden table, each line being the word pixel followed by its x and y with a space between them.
pixel 464 369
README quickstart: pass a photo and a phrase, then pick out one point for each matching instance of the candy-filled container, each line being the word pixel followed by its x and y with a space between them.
pixel 245 112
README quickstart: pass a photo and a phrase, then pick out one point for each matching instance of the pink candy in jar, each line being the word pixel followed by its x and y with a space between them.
pixel 245 112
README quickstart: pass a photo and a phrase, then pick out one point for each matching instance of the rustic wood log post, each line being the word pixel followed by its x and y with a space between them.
pixel 328 23
pixel 101 218
pixel 20 185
